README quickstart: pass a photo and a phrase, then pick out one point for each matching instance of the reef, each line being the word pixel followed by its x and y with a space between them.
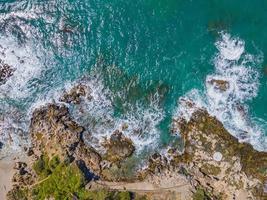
pixel 213 164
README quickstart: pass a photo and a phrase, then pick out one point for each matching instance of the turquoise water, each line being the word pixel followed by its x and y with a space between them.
pixel 155 47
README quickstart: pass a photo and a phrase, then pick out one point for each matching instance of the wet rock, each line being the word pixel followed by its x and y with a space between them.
pixel 221 85
pixel 118 147
pixel 6 71
pixel 75 94
pixel 217 26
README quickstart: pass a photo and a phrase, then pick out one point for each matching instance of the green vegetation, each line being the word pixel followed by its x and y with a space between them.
pixel 62 181
pixel 41 166
pixel 201 194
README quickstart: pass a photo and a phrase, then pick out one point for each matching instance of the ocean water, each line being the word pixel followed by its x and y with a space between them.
pixel 137 58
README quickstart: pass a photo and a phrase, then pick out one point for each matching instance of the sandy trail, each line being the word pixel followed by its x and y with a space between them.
pixel 6 174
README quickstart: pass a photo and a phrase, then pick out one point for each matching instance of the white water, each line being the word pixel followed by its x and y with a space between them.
pixel 235 66
pixel 139 123
pixel 96 114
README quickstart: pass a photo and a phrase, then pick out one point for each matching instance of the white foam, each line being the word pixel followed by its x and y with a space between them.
pixel 96 114
pixel 230 48
pixel 26 64
pixel 13 126
pixel 237 69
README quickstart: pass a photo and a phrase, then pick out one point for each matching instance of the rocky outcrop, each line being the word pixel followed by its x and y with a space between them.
pixel 118 147
pixel 54 132
pixel 217 162
pixel 218 84
pixel 76 93
pixel 6 71
pixel 57 143
pixel 213 162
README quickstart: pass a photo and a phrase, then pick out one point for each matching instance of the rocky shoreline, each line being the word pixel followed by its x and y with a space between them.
pixel 213 164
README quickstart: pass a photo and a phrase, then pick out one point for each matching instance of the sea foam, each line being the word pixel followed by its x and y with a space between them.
pixel 235 70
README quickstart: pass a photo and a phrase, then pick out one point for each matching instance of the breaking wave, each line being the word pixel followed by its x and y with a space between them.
pixel 234 82
pixel 96 113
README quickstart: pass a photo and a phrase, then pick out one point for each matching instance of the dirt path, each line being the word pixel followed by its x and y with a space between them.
pixel 163 187
pixel 140 186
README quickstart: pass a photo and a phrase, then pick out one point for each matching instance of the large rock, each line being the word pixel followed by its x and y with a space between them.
pixel 89 155
pixel 118 147
pixel 219 84
pixel 54 132
pixel 216 160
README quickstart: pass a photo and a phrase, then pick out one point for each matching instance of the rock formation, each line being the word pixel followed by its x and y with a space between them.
pixel 6 71
pixel 214 163
pixel 75 94
pixel 118 147
pixel 217 162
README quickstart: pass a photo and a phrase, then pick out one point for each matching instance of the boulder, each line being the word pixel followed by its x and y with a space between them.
pixel 118 147
pixel 89 155
pixel 75 94
pixel 221 85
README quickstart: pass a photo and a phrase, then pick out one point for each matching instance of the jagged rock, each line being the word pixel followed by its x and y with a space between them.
pixel 75 94
pixel 89 156
pixel 6 71
pixel 220 164
pixel 53 131
pixel 118 147
pixel 30 151
pixel 24 177
pixel 221 85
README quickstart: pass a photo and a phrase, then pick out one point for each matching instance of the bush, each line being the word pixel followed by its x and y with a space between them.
pixel 41 166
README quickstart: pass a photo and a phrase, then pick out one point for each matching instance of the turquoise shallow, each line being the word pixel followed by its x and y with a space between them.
pixel 148 54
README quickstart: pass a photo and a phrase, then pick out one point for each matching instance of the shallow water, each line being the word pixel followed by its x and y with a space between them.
pixel 139 58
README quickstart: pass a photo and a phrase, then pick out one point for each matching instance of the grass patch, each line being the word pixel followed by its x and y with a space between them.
pixel 62 181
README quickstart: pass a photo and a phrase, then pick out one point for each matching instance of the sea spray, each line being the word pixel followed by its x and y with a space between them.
pixel 234 82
